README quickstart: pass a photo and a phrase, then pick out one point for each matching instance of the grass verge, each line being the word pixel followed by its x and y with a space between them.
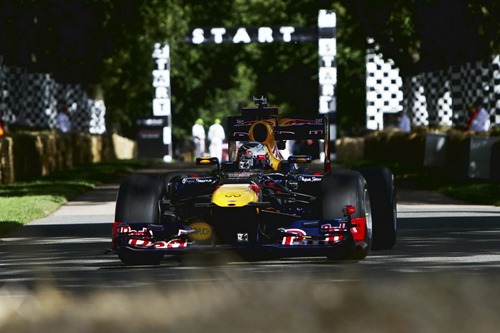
pixel 22 202
pixel 474 191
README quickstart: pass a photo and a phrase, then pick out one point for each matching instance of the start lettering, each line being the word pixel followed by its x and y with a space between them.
pixel 241 35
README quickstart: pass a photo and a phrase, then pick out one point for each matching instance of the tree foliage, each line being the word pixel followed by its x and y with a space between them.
pixel 432 34
pixel 107 44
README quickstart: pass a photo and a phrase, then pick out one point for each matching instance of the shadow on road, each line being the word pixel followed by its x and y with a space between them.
pixel 48 231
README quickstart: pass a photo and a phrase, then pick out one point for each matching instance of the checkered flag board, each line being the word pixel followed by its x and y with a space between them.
pixel 384 92
pixel 34 99
pixel 495 94
pixel 13 86
pixel 38 98
pixel 477 80
pixel 428 99
pixel 437 98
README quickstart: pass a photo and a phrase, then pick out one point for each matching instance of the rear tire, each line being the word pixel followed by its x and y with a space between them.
pixel 383 198
pixel 137 203
pixel 346 188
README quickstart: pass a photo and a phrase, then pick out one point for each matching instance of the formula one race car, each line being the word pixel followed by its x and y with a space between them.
pixel 257 204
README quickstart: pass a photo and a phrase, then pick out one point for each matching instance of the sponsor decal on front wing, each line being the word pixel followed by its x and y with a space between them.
pixel 146 242
pixel 300 238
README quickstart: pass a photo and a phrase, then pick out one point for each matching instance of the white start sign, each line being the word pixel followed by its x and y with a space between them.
pixel 161 80
pixel 161 100
pixel 244 35
pixel 327 50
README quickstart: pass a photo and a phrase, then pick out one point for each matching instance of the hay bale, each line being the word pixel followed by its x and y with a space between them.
pixel 28 155
pixel 48 152
pixel 64 152
pixel 349 149
pixel 6 161
pixel 124 148
pixel 27 149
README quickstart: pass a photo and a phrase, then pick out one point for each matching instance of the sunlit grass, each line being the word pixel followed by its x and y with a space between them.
pixel 23 209
pixel 477 193
pixel 22 202
pixel 474 191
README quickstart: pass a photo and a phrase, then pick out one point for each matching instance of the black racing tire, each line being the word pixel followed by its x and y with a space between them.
pixel 343 188
pixel 137 202
pixel 137 199
pixel 383 199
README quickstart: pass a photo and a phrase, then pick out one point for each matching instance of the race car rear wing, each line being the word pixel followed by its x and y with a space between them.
pixel 263 124
pixel 306 127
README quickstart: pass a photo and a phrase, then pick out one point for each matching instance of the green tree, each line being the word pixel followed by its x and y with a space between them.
pixel 127 79
pixel 107 45
pixel 432 34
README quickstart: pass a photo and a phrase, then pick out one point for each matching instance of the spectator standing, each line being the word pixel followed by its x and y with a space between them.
pixel 63 121
pixel 216 135
pixel 472 114
pixel 480 119
pixel 198 133
pixel 404 122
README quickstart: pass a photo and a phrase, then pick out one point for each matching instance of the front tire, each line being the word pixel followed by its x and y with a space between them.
pixel 344 188
pixel 137 200
pixel 138 203
pixel 383 198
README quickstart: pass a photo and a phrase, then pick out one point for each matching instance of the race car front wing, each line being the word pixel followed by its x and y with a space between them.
pixel 302 238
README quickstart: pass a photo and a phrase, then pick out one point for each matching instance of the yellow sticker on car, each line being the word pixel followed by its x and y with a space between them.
pixel 203 231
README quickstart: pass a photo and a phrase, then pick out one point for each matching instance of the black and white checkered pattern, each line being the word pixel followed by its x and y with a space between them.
pixel 13 86
pixel 438 98
pixel 34 99
pixel 477 80
pixel 415 102
pixel 431 98
pixel 495 94
pixel 428 99
pixel 4 112
pixel 39 102
pixel 383 89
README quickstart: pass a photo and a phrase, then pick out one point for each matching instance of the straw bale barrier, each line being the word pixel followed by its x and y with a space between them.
pixel 27 155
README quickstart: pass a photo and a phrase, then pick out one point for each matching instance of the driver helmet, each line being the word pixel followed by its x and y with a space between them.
pixel 253 156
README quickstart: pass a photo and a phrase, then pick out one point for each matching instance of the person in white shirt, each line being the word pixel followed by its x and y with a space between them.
pixel 216 135
pixel 198 133
pixel 481 121
pixel 63 121
pixel 404 122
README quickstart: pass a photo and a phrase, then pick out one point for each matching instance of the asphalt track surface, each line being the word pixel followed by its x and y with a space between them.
pixel 436 235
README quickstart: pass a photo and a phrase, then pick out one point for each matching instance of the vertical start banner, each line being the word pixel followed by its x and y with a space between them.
pixel 327 51
pixel 161 101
